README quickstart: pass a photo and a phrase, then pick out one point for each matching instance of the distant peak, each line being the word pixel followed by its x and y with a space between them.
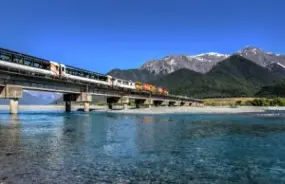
pixel 210 54
pixel 250 49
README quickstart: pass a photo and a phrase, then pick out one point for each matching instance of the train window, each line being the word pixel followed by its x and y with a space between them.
pixel 102 78
pixel 56 68
pixel 17 59
pixel 45 66
pixel 36 64
pixel 27 62
pixel 119 81
pixel 5 57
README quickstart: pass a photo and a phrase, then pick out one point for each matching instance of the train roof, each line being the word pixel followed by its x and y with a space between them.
pixel 85 70
pixel 25 55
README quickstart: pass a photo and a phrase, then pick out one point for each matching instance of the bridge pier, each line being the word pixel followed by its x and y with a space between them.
pixel 86 98
pixel 14 106
pixel 14 93
pixel 165 103
pixel 137 105
pixel 67 106
pixel 110 105
pixel 123 101
pixel 148 102
pixel 184 103
pixel 177 103
pixel 171 103
pixel 86 106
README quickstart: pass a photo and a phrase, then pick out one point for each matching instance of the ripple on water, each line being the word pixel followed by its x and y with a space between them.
pixel 76 147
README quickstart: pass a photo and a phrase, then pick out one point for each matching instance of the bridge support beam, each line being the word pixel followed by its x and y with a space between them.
pixel 184 103
pixel 86 98
pixel 125 106
pixel 67 106
pixel 124 101
pixel 137 104
pixel 157 103
pixel 14 106
pixel 165 103
pixel 14 93
pixel 177 103
pixel 171 103
pixel 146 102
pixel 86 106
pixel 110 106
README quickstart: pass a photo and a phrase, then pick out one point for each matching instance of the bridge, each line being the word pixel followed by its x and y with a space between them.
pixel 13 83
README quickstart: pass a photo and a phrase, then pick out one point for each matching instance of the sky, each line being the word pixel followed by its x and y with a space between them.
pixel 101 35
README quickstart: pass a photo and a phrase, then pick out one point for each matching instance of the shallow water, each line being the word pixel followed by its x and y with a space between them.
pixel 55 147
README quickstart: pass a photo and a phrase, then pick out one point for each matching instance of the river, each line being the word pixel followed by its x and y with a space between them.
pixel 57 147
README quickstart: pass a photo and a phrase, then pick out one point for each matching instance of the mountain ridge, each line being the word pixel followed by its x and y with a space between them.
pixel 204 62
pixel 233 77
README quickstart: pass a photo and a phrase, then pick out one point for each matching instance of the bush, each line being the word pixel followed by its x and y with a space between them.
pixel 238 102
pixel 266 102
pixel 277 102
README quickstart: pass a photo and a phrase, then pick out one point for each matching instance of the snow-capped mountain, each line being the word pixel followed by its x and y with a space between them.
pixel 200 63
pixel 45 97
pixel 261 57
pixel 204 62
pixel 35 98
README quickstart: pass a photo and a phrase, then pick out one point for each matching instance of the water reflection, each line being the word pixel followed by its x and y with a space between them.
pixel 105 148
pixel 10 134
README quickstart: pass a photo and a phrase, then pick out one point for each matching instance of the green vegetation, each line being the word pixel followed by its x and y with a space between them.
pixel 267 102
pixel 272 91
pixel 235 102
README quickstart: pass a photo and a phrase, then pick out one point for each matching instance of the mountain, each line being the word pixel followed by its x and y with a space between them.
pixel 200 63
pixel 261 57
pixel 277 68
pixel 205 62
pixel 233 77
pixel 44 97
pixel 34 98
pixel 133 74
pixel 95 99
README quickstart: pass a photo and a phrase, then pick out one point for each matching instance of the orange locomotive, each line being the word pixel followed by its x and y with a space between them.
pixel 151 88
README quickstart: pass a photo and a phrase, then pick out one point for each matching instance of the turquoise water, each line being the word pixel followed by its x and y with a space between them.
pixel 55 147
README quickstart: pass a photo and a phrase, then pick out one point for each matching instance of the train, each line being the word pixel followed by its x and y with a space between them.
pixel 26 64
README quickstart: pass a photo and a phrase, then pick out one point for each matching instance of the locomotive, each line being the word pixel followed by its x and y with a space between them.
pixel 22 63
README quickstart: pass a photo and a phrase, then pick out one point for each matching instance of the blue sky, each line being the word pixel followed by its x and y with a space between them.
pixel 100 35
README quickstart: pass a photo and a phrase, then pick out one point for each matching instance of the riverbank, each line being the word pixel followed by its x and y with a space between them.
pixel 198 110
pixel 153 110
